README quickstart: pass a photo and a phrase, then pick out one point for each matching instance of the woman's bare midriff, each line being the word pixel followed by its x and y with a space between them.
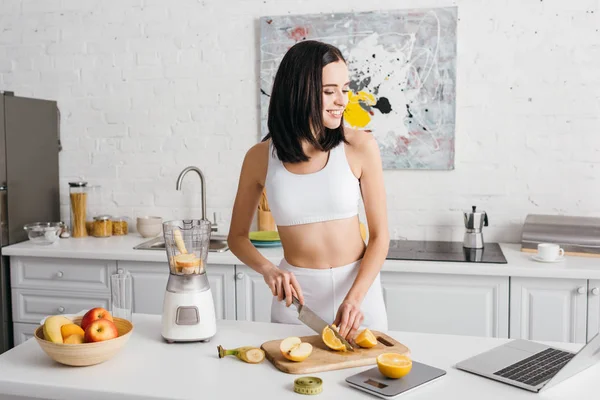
pixel 323 245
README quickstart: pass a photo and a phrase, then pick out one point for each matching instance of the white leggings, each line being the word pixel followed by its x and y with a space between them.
pixel 325 289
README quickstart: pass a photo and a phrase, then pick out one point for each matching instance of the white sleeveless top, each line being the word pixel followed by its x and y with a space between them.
pixel 328 194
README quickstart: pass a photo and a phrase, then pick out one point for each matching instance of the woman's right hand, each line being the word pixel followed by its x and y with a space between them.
pixel 283 284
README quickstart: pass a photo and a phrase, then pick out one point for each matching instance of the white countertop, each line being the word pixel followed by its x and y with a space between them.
pixel 121 248
pixel 149 368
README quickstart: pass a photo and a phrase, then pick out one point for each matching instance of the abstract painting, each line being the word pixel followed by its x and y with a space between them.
pixel 402 66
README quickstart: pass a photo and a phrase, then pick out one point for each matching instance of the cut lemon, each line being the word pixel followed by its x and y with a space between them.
pixel 331 340
pixel 394 365
pixel 366 339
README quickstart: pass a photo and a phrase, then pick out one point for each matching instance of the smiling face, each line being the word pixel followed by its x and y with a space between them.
pixel 335 93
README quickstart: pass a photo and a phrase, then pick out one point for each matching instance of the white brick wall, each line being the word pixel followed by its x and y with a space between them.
pixel 148 87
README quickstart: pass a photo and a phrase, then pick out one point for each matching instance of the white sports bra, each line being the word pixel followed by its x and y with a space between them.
pixel 330 193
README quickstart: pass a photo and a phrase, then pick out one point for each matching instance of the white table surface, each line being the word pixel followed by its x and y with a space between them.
pixel 149 368
pixel 121 248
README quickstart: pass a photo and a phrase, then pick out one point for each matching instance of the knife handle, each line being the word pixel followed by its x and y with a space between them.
pixel 295 301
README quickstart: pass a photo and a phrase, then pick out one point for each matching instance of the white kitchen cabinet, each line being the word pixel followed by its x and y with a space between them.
pixel 253 296
pixel 548 309
pixel 23 332
pixel 42 286
pixel 593 314
pixel 33 305
pixel 449 304
pixel 150 282
pixel 61 274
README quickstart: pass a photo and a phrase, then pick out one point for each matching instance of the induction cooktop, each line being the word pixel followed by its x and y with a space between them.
pixel 444 251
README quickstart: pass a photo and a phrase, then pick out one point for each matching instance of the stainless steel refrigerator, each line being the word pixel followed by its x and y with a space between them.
pixel 29 184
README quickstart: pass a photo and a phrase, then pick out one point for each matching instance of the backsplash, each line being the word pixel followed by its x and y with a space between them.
pixel 147 88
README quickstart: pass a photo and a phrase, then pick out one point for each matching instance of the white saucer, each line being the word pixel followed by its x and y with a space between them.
pixel 559 259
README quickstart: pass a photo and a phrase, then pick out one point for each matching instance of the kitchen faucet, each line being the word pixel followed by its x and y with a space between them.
pixel 214 227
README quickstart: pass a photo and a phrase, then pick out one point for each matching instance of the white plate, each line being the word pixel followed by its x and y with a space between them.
pixel 559 259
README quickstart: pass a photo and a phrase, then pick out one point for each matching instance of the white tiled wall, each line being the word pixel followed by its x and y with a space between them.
pixel 148 87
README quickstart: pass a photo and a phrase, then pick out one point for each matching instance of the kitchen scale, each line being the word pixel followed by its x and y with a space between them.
pixel 373 382
pixel 188 308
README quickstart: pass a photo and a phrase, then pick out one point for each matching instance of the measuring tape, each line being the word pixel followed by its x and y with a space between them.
pixel 308 385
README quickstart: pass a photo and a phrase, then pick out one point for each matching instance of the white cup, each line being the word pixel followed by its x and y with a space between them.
pixel 549 251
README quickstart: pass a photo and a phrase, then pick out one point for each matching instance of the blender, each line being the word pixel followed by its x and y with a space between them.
pixel 188 308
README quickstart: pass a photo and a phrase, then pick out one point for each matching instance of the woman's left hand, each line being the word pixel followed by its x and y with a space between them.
pixel 348 319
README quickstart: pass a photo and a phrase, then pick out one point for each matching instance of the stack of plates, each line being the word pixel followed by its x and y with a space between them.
pixel 265 238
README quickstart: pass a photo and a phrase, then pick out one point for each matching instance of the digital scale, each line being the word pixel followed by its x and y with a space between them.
pixel 373 382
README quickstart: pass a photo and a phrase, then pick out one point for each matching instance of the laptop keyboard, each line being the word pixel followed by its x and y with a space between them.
pixel 537 368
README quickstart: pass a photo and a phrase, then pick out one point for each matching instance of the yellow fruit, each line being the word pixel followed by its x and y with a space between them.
pixel 331 340
pixel 178 237
pixel 52 327
pixel 75 338
pixel 394 365
pixel 187 260
pixel 249 354
pixel 366 339
pixel 71 329
pixel 294 349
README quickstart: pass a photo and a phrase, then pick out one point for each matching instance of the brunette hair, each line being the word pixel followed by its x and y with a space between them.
pixel 295 108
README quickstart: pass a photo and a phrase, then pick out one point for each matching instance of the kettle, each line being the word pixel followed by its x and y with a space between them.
pixel 474 223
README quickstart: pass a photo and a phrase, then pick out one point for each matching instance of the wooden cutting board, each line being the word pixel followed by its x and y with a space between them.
pixel 323 358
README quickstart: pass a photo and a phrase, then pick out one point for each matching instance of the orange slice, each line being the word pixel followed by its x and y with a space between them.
pixel 331 340
pixel 394 365
pixel 366 339
pixel 187 260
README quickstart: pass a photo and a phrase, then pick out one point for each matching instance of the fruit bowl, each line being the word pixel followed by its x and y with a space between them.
pixel 85 354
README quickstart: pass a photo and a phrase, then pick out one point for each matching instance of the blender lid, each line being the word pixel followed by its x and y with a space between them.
pixel 78 184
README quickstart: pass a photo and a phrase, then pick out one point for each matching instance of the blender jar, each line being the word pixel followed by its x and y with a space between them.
pixel 78 193
pixel 187 242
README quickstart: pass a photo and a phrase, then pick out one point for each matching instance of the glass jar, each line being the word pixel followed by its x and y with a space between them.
pixel 95 207
pixel 102 226
pixel 78 206
pixel 119 226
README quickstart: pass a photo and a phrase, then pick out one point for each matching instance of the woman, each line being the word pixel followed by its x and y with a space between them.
pixel 314 170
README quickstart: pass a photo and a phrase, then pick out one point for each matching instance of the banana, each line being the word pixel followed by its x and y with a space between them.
pixel 249 354
pixel 178 237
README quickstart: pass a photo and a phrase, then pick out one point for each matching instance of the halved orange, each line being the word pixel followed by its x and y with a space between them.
pixel 366 339
pixel 331 340
pixel 394 365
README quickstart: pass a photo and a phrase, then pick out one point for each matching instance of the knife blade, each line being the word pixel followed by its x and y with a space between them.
pixel 316 323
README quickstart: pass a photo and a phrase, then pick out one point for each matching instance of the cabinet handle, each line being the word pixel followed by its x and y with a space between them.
pixel 595 291
pixel 59 274
pixel 61 309
pixel 239 275
pixel 581 290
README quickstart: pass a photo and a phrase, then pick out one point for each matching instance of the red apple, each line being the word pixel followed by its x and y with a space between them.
pixel 93 315
pixel 100 330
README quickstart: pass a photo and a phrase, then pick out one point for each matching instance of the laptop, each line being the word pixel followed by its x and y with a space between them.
pixel 531 365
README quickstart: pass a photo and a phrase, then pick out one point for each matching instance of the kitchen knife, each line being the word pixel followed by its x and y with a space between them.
pixel 316 323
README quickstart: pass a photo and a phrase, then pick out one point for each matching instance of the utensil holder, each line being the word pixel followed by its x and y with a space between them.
pixel 266 221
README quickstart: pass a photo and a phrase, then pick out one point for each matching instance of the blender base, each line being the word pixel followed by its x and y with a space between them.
pixel 188 317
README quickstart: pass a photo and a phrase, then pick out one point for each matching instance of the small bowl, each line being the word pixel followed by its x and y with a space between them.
pixel 44 233
pixel 149 231
pixel 149 220
pixel 85 354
